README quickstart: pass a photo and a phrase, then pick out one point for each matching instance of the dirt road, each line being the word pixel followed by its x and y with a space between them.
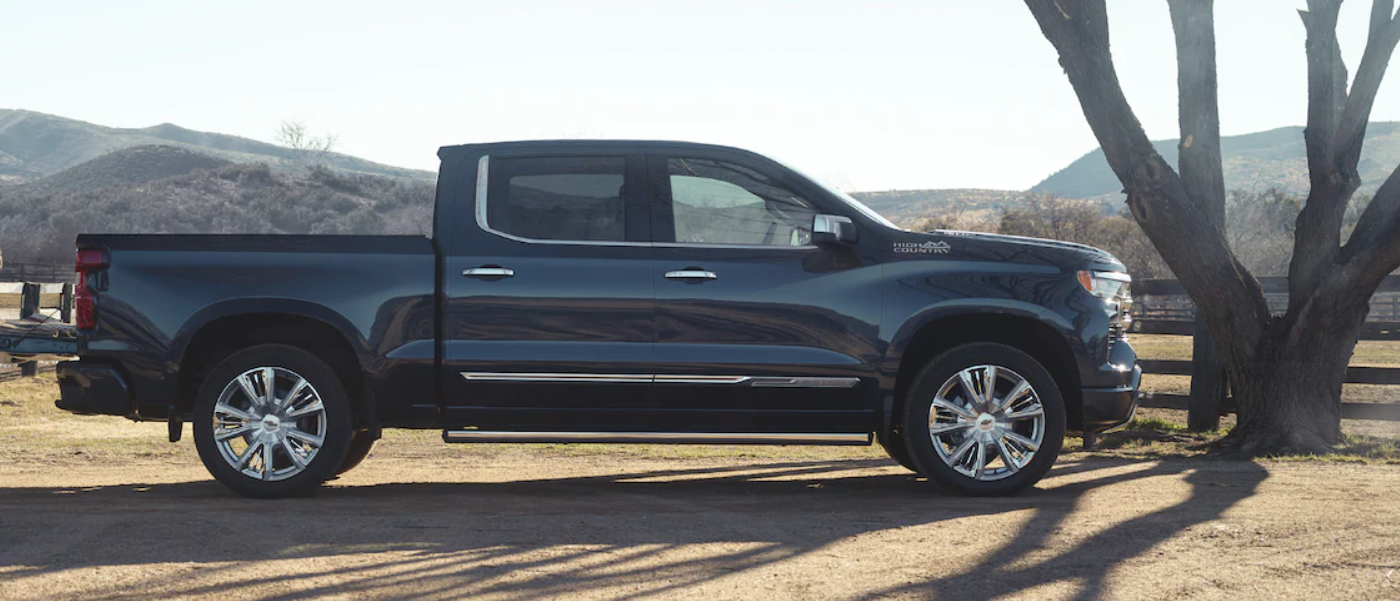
pixel 530 522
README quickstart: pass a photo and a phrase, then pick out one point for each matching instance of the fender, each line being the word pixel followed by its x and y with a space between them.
pixel 281 306
pixel 910 327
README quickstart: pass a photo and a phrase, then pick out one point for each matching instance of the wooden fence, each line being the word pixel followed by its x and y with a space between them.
pixel 37 272
pixel 1162 307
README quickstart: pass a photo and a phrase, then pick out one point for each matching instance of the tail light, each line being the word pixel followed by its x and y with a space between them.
pixel 84 308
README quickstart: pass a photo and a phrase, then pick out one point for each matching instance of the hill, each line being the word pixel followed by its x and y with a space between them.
pixel 906 206
pixel 38 221
pixel 34 145
pixel 1258 161
pixel 125 167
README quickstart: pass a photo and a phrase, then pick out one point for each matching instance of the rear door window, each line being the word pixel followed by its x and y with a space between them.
pixel 558 198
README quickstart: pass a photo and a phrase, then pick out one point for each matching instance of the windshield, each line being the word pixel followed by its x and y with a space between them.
pixel 855 204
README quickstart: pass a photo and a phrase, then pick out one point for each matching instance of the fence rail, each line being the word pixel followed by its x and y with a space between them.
pixel 1355 375
pixel 37 272
pixel 26 369
pixel 1163 307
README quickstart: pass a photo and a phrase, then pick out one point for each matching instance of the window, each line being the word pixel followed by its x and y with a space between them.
pixel 714 202
pixel 578 198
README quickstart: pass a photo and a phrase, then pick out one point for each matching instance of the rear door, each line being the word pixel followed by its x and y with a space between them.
pixel 549 309
pixel 757 329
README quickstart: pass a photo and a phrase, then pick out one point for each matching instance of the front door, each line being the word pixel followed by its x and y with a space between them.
pixel 550 316
pixel 757 329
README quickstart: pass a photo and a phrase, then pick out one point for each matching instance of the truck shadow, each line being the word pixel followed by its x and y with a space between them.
pixel 641 534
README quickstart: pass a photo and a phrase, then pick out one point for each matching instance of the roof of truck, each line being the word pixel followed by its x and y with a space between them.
pixel 565 144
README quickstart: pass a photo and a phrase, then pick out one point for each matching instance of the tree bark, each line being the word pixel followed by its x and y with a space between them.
pixel 1291 403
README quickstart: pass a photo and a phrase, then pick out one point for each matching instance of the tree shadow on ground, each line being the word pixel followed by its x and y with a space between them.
pixel 644 533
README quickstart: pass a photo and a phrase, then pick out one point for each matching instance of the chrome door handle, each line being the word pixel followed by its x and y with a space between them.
pixel 691 274
pixel 488 272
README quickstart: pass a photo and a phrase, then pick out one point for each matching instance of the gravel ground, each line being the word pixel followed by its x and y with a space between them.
pixel 102 508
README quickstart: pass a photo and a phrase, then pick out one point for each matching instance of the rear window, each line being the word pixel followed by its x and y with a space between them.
pixel 566 198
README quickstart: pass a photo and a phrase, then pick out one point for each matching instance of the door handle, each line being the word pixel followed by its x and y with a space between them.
pixel 488 272
pixel 691 274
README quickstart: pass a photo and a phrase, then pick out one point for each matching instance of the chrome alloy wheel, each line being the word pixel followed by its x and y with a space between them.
pixel 269 423
pixel 987 422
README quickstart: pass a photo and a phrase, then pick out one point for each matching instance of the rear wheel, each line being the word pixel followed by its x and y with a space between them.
pixel 272 421
pixel 984 419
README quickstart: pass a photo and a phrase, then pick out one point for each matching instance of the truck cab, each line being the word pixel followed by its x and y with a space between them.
pixel 611 291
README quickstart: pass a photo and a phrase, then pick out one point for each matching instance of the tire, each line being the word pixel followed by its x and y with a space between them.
pixel 894 446
pixel 360 445
pixel 967 425
pixel 232 404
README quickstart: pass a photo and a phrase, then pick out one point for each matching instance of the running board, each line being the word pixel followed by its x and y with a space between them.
pixel 860 439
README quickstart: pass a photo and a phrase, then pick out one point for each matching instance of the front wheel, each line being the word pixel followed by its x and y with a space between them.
pixel 984 419
pixel 272 421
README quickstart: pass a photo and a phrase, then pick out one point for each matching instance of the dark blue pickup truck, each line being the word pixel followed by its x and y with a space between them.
pixel 609 291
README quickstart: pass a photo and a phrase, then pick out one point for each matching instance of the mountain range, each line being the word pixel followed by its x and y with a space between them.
pixel 1268 159
pixel 34 145
pixel 60 176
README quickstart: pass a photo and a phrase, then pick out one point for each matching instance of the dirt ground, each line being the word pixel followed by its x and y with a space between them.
pixel 102 508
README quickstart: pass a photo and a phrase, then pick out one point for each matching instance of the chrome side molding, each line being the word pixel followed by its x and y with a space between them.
pixel 547 377
pixel 775 438
pixel 754 381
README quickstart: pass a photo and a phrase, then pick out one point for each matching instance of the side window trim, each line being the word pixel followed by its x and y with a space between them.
pixel 659 195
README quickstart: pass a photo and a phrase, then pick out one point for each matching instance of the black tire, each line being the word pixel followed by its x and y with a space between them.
pixel 895 447
pixel 335 434
pixel 360 446
pixel 919 398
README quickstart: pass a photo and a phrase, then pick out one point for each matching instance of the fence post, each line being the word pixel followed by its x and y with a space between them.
pixel 29 369
pixel 28 300
pixel 1207 380
pixel 65 304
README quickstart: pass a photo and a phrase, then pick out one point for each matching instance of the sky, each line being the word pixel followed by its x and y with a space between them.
pixel 868 95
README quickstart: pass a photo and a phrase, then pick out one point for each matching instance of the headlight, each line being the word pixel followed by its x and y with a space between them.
pixel 1107 285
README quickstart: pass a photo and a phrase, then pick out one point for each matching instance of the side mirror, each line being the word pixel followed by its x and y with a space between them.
pixel 833 230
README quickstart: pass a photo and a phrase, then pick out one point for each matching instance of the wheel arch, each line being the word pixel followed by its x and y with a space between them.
pixel 218 331
pixel 1044 339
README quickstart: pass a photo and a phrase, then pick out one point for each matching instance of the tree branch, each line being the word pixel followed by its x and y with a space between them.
pixel 1351 131
pixel 1188 239
pixel 1374 247
pixel 1198 105
pixel 1319 232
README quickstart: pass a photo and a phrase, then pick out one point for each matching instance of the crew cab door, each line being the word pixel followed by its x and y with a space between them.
pixel 757 329
pixel 549 316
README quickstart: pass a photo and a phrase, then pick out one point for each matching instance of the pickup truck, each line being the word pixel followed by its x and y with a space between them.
pixel 609 291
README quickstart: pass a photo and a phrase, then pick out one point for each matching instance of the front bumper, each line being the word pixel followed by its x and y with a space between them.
pixel 1106 408
pixel 90 388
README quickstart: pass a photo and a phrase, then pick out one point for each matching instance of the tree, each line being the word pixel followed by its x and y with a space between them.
pixel 295 135
pixel 1286 371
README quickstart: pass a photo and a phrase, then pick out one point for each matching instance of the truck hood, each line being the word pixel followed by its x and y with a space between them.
pixel 1066 254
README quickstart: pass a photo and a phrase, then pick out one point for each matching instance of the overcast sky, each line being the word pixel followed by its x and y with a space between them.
pixel 869 95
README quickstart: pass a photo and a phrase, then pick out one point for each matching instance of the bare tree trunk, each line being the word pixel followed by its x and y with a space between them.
pixel 1203 176
pixel 1291 403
